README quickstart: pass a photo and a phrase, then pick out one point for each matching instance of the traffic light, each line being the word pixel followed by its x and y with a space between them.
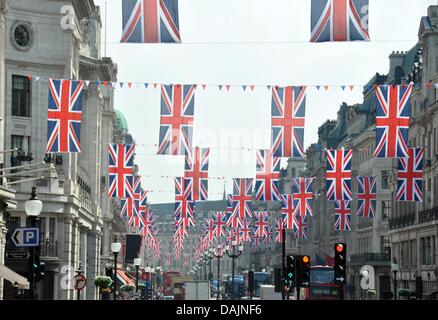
pixel 240 292
pixel 340 263
pixel 291 269
pixel 303 271
pixel 38 267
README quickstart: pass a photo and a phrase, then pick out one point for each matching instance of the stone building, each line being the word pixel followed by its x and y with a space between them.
pixel 38 47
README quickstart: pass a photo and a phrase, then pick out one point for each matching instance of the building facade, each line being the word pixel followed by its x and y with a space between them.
pixel 39 45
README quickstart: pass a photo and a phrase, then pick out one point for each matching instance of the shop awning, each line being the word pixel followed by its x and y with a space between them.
pixel 13 277
pixel 124 278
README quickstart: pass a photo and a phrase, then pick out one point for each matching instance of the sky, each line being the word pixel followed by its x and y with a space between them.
pixel 245 42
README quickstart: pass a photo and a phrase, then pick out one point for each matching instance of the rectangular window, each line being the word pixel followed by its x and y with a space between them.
pixel 20 96
pixel 22 143
pixel 385 179
pixel 52 229
pixel 42 229
pixel 386 207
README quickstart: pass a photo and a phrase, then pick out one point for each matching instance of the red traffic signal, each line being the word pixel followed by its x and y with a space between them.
pixel 339 247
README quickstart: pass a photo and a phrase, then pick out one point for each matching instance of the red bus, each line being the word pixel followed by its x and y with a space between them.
pixel 168 283
pixel 322 284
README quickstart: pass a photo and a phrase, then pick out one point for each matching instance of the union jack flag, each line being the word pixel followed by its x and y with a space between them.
pixel 129 208
pixel 64 116
pixel 196 169
pixel 268 238
pixel 186 260
pixel 366 197
pixel 144 198
pixel 339 20
pixel 338 174
pixel 261 224
pixel 184 208
pixel 147 228
pixel 288 114
pixel 256 244
pixel 220 221
pixel 288 210
pixel 268 172
pixel 342 215
pixel 232 220
pixel 211 230
pixel 176 123
pixel 279 227
pixel 245 230
pixel 150 21
pixel 120 165
pixel 392 121
pixel 410 176
pixel 135 222
pixel 303 196
pixel 300 230
pixel 242 188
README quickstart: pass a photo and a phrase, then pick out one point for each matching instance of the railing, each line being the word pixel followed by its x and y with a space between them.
pixel 49 248
pixel 403 221
pixel 428 215
pixel 364 257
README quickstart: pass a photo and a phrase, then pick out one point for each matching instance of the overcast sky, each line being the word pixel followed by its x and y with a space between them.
pixel 245 42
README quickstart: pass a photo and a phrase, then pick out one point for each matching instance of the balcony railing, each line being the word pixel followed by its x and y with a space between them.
pixel 48 249
pixel 366 257
pixel 403 221
pixel 428 215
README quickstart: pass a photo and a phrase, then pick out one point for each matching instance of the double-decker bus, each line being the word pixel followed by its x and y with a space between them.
pixel 322 284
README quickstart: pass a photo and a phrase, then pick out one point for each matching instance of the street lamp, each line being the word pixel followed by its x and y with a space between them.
pixel 219 254
pixel 152 282
pixel 210 257
pixel 234 252
pixel 395 268
pixel 115 248
pixel 148 271
pixel 33 208
pixel 205 263
pixel 137 263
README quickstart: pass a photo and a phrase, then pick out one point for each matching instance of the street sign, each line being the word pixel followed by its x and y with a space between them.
pixel 79 282
pixel 17 255
pixel 26 237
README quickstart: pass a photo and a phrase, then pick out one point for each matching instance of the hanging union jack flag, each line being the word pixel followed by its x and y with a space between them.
pixel 288 114
pixel 232 220
pixel 129 208
pixel 242 188
pixel 184 208
pixel 121 163
pixel 410 176
pixel 339 20
pixel 196 169
pixel 302 196
pixel 245 230
pixel 64 116
pixel 220 221
pixel 176 122
pixel 288 210
pixel 300 230
pixel 366 197
pixel 261 224
pixel 392 121
pixel 150 21
pixel 338 174
pixel 268 172
pixel 343 215
pixel 279 227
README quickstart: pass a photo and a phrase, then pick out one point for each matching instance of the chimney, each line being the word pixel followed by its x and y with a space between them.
pixel 395 59
pixel 432 13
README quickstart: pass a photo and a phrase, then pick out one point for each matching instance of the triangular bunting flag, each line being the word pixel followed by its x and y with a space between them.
pixel 351 88
pixel 97 83
pixel 252 88
pixel 326 88
pixel 228 87
pixel 30 78
pixel 343 88
pixel 87 83
pixel 318 87
pixel 121 84
pixel 129 84
pixel 244 88
pixel 155 85
pixel 204 86
pixel 37 79
pixel 220 87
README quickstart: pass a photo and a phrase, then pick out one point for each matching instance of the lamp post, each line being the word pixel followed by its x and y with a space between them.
pixel 148 272
pixel 152 282
pixel 115 248
pixel 137 263
pixel 205 259
pixel 33 208
pixel 234 252
pixel 210 257
pixel 158 284
pixel 395 268
pixel 219 254
pixel 79 272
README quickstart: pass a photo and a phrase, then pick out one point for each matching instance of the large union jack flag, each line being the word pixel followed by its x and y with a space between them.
pixel 184 208
pixel 267 174
pixel 302 196
pixel 150 21
pixel 261 224
pixel 288 114
pixel 339 20
pixel 338 174
pixel 300 230
pixel 366 197
pixel 343 215
pixel 242 188
pixel 176 122
pixel 392 121
pixel 121 163
pixel 196 169
pixel 288 210
pixel 64 116
pixel 410 176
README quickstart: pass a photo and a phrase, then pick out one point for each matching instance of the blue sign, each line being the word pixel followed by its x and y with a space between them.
pixel 26 237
